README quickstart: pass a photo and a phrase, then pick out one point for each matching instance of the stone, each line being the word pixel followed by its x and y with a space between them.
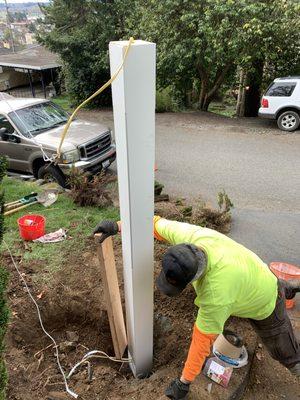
pixel 72 336
pixel 67 346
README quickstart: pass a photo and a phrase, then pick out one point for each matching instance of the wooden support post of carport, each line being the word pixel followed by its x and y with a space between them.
pixel 31 83
pixel 43 84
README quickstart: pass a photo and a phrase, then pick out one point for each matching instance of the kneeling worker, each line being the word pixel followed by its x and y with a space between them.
pixel 229 280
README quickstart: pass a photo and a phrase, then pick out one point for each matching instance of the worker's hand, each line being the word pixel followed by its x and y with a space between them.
pixel 107 228
pixel 177 390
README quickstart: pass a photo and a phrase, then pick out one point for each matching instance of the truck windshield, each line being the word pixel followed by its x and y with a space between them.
pixel 38 118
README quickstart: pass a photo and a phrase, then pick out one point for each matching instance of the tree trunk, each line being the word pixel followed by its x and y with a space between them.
pixel 203 93
pixel 206 93
pixel 240 105
pixel 254 81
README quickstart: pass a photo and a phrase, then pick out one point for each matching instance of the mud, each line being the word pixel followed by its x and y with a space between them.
pixel 72 307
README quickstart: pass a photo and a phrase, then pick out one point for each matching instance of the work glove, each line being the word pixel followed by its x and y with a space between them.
pixel 177 390
pixel 107 228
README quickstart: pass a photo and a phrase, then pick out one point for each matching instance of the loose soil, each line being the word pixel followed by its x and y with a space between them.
pixel 74 303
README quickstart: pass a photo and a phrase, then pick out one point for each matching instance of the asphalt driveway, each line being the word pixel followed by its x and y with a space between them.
pixel 199 154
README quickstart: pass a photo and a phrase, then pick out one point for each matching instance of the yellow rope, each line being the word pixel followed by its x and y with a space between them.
pixel 66 128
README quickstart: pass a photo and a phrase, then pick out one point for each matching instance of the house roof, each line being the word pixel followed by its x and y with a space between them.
pixel 34 58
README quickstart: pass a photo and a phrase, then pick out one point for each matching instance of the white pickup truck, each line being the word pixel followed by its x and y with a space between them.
pixel 26 125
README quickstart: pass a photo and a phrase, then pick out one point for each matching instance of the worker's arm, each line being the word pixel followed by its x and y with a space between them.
pixel 107 228
pixel 199 350
pixel 174 232
pixel 209 323
pixel 170 231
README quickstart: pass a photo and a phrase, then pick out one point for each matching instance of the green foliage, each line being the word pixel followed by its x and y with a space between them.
pixel 199 43
pixel 3 283
pixel 80 33
pixel 165 100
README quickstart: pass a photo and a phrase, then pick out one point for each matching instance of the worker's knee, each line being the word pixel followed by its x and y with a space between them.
pixel 284 348
pixel 295 370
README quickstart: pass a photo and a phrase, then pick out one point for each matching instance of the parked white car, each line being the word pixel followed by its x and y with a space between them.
pixel 282 102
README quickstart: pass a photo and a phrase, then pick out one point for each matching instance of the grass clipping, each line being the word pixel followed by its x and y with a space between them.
pixel 200 214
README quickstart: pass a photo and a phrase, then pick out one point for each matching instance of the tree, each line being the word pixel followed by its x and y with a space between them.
pixel 273 37
pixel 3 284
pixel 199 43
pixel 204 41
pixel 80 31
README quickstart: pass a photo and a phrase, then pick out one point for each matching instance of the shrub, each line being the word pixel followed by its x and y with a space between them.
pixel 165 101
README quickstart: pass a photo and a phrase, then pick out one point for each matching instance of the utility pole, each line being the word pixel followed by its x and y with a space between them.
pixel 9 27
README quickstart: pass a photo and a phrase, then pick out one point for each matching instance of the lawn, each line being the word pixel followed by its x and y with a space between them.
pixel 63 101
pixel 227 110
pixel 78 221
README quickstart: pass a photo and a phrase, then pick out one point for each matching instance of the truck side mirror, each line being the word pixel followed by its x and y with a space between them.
pixel 9 137
pixel 4 134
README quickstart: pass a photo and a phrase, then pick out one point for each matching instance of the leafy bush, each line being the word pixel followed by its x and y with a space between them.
pixel 3 284
pixel 165 101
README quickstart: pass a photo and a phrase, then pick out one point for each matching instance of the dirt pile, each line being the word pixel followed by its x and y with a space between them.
pixel 199 213
pixel 73 312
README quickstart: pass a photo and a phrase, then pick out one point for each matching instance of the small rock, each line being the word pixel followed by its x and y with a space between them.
pixel 72 336
pixel 67 346
pixel 57 396
pixel 209 387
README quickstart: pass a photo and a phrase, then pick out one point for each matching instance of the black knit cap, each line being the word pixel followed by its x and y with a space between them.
pixel 180 265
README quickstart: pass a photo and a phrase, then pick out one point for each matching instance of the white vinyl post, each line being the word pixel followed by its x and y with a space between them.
pixel 133 95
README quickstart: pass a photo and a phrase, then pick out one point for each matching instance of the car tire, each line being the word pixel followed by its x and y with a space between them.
pixel 288 121
pixel 52 173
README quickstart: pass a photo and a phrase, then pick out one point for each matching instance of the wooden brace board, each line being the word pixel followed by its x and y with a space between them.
pixel 112 294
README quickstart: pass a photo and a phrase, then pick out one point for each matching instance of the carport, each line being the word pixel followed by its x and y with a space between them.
pixel 28 72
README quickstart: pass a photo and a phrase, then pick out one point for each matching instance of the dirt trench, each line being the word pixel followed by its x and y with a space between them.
pixel 73 303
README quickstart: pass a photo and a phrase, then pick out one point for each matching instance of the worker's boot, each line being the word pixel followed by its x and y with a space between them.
pixel 291 288
pixel 295 370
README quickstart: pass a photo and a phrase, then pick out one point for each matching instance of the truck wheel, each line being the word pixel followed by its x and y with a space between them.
pixel 51 173
pixel 288 121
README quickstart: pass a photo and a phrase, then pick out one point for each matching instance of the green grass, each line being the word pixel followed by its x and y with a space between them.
pixel 228 110
pixel 78 221
pixel 63 101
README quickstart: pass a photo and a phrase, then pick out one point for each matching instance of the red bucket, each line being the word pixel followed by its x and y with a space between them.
pixel 32 226
pixel 286 272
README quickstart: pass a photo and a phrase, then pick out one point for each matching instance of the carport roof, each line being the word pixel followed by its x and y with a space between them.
pixel 34 58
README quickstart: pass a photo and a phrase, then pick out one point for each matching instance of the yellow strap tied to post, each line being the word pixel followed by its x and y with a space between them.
pixel 108 83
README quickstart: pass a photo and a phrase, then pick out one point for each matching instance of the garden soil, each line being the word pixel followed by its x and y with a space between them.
pixel 73 311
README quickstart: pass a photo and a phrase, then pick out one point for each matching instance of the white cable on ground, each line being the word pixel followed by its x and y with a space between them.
pixel 68 390
pixel 96 354
pixel 86 357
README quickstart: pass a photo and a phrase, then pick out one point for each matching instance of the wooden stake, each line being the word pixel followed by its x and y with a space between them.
pixel 112 294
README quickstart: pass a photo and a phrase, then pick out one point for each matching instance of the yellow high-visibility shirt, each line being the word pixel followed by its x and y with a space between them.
pixel 236 281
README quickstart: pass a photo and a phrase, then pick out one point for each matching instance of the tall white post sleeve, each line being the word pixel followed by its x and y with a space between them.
pixel 133 95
